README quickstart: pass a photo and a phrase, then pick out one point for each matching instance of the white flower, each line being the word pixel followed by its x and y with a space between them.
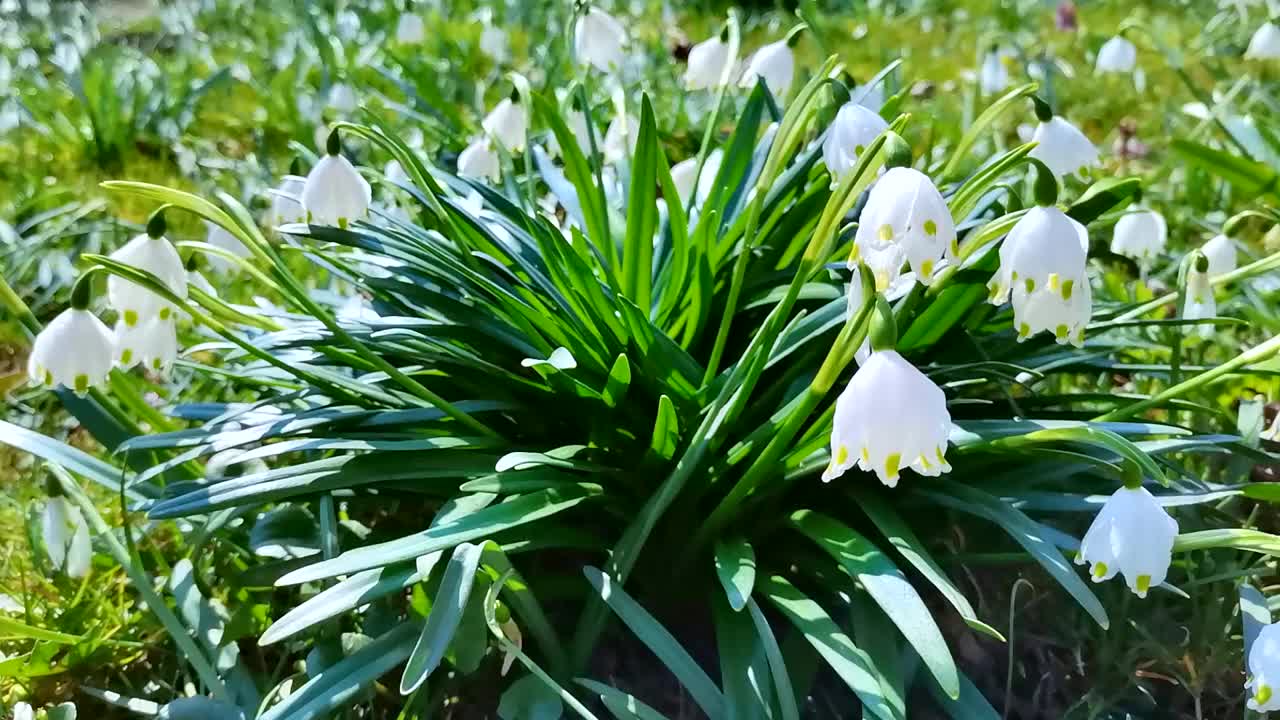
pixel 776 64
pixel 889 417
pixel 410 30
pixel 905 220
pixel 394 172
pixel 156 255
pixel 994 75
pixel 1042 264
pixel 221 238
pixel 342 98
pixel 196 279
pixel 478 160
pixel 1131 535
pixel 23 711
pixel 1062 147
pixel 1140 234
pixel 620 138
pixel 599 40
pixel 684 177
pixel 508 122
pixel 708 62
pixel 286 203
pixel 152 343
pixel 334 193
pixel 66 537
pixel 1264 670
pixel 853 129
pixel 1221 253
pixel 1199 302
pixel 1265 43
pixel 710 169
pixel 494 43
pixel 75 351
pixel 1116 55
pixel 576 120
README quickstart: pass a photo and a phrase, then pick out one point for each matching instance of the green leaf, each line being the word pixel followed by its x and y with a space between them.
pixel 849 662
pixel 736 568
pixel 666 430
pixel 579 173
pixel 888 587
pixel 971 705
pixel 1237 538
pixel 1254 614
pixel 744 671
pixel 529 699
pixel 467 527
pixel 1252 179
pixel 661 642
pixel 783 690
pixel 623 705
pixel 446 613
pixel 993 111
pixel 13 628
pixel 615 388
pixel 642 212
pixel 1101 197
pixel 77 461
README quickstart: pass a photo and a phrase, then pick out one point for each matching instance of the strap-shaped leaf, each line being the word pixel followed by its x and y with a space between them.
pixel 446 613
pixel 736 568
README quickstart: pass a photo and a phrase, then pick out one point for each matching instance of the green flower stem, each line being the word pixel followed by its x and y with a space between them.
pixel 1257 354
pixel 241 263
pixel 1257 267
pixel 143 584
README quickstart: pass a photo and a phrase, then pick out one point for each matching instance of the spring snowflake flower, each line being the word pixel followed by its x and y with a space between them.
pixel 66 537
pixel 221 238
pixel 1265 43
pixel 342 98
pixel 23 711
pixel 906 220
pixel 775 63
pixel 1042 271
pixel 508 122
pixel 1131 535
pixel 478 160
pixel 1140 234
pixel 1264 670
pixel 578 125
pixel 1221 253
pixel 599 40
pixel 410 30
pixel 1061 145
pixel 620 138
pixel 913 435
pixel 286 201
pixel 1199 302
pixel 708 62
pixel 75 351
pixel 151 252
pixel 152 344
pixel 334 193
pixel 494 43
pixel 1116 55
pixel 994 74
pixel 853 129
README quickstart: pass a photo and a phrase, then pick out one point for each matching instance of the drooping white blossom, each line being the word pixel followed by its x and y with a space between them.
pixel 708 64
pixel 906 220
pixel 852 130
pixel 479 160
pixel 1131 535
pixel 775 63
pixel 620 138
pixel 410 29
pixel 993 77
pixel 286 201
pixel 342 98
pixel 66 537
pixel 334 193
pixel 494 43
pixel 599 40
pixel 890 416
pixel 1140 234
pixel 1265 43
pixel 1042 271
pixel 1221 254
pixel 1264 670
pixel 152 343
pixel 1062 147
pixel 157 256
pixel 74 351
pixel 577 122
pixel 1116 55
pixel 221 238
pixel 1199 302
pixel 508 122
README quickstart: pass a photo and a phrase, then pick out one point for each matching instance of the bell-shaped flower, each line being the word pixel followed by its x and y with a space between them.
pixel 410 30
pixel 1221 254
pixel 508 122
pixel 906 220
pixel 1140 234
pixel 1062 147
pixel 153 253
pixel 890 416
pixel 342 98
pixel 1265 43
pixel 1264 670
pixel 1131 535
pixel 286 201
pixel 684 175
pixel 620 138
pixel 852 130
pixel 152 343
pixel 478 160
pixel 23 711
pixel 1042 265
pixel 577 122
pixel 494 43
pixel 66 537
pixel 75 351
pixel 599 40
pixel 708 64
pixel 775 63
pixel 993 77
pixel 1116 55
pixel 1199 302
pixel 221 238
pixel 334 193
